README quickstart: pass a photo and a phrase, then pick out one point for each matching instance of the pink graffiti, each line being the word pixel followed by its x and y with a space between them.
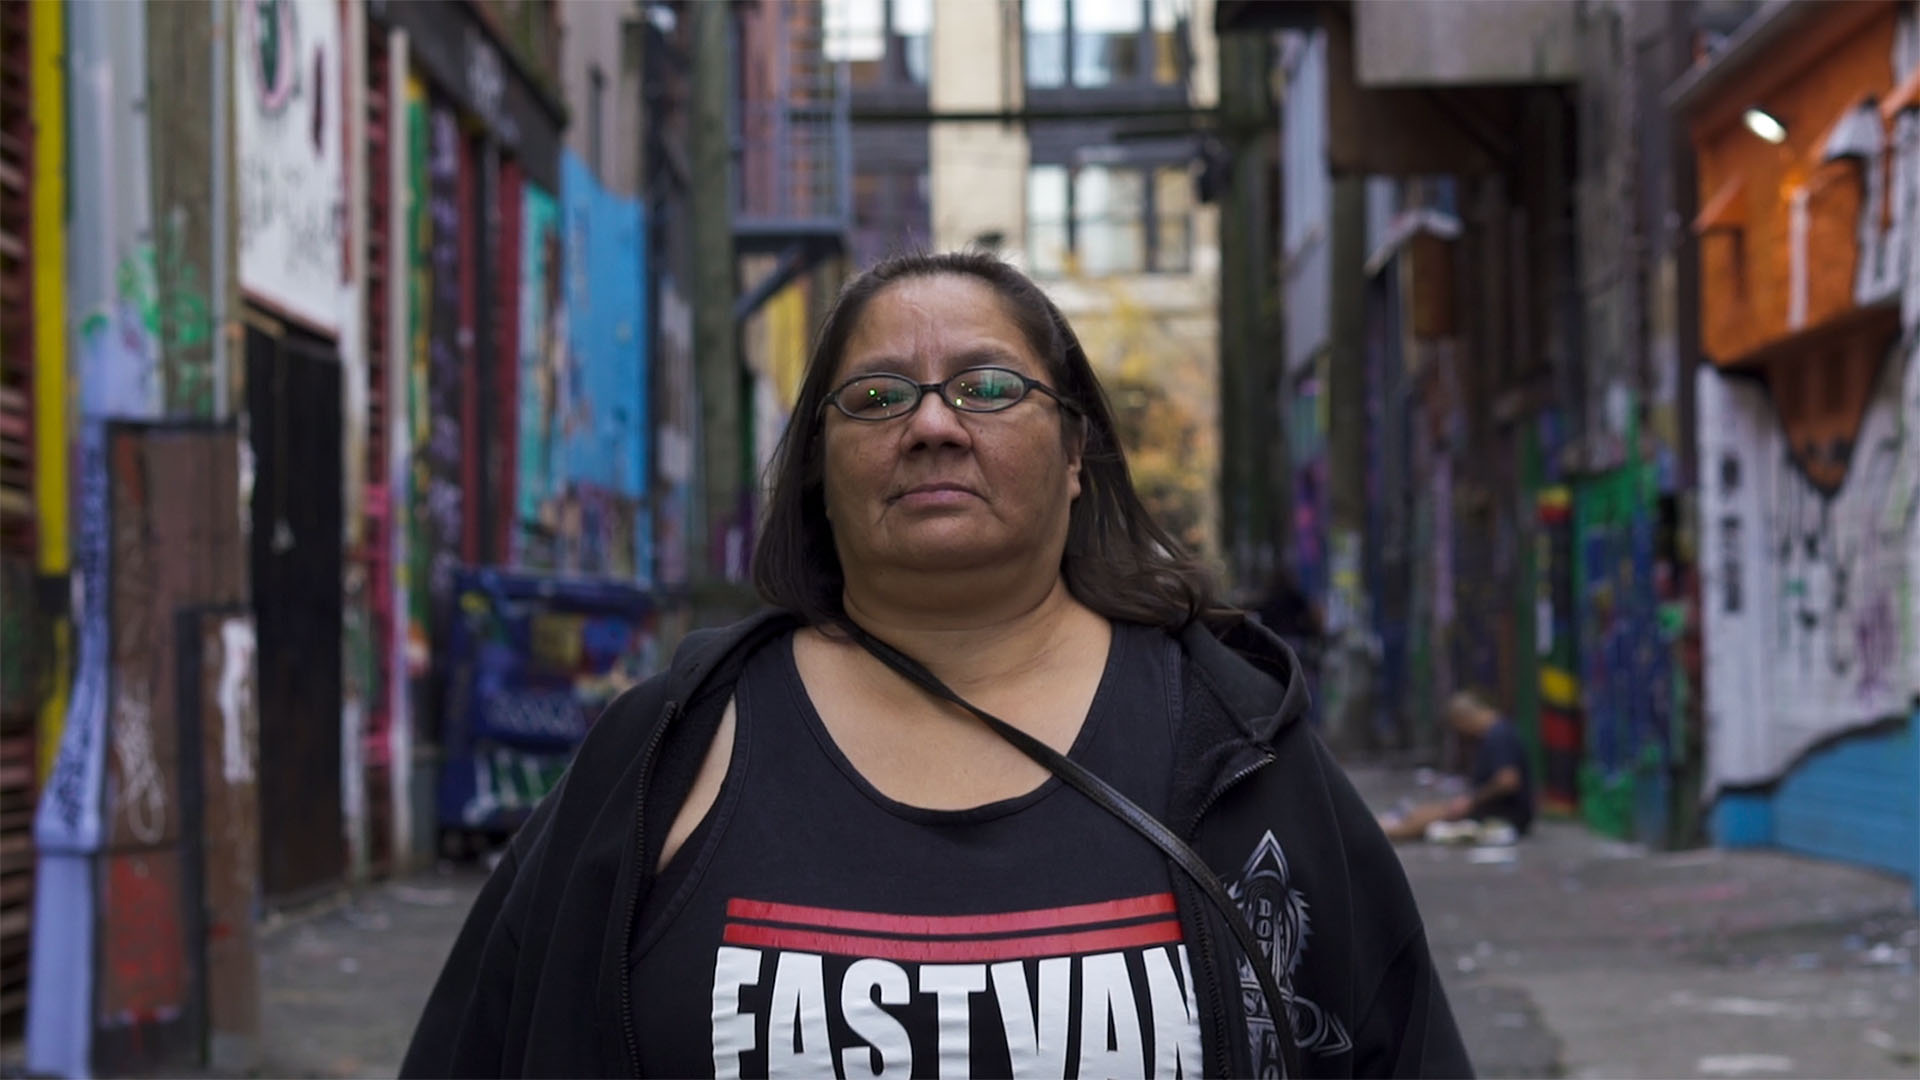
pixel 1878 637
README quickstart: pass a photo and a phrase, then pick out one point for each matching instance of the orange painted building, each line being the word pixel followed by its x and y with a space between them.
pixel 1782 225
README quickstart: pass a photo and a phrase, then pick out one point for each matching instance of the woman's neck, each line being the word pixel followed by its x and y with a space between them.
pixel 982 645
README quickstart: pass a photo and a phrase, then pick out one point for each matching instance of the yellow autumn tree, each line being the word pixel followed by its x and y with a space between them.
pixel 1160 372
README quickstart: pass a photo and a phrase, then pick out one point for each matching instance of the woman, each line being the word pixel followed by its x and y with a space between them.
pixel 783 856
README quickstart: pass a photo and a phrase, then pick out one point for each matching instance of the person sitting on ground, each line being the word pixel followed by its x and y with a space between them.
pixel 1502 791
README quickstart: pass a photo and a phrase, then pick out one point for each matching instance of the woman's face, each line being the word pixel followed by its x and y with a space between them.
pixel 938 489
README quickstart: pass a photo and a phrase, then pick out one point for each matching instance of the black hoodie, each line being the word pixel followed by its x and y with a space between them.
pixel 538 981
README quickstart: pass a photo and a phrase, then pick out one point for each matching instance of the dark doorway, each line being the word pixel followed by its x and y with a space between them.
pixel 293 399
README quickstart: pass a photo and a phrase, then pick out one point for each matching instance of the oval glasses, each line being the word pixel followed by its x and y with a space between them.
pixel 975 390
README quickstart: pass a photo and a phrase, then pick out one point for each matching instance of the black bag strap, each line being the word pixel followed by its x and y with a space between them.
pixel 1105 796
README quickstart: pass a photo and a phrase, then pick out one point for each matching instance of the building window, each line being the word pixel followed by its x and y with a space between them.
pixel 883 42
pixel 1049 237
pixel 1101 43
pixel 1109 217
pixel 1046 38
pixel 911 32
pixel 1102 220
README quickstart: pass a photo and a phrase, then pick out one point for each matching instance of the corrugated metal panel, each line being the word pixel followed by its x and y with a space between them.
pixel 1857 799
pixel 19 696
pixel 16 292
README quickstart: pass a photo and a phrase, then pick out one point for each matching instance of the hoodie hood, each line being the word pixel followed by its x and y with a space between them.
pixel 1255 674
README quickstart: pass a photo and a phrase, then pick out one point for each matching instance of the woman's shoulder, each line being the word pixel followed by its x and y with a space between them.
pixel 706 662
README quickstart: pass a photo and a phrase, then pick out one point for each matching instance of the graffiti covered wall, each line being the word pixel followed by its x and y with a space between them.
pixel 118 377
pixel 545 376
pixel 1810 467
pixel 584 371
pixel 1624 666
pixel 1808 597
pixel 287 134
pixel 437 516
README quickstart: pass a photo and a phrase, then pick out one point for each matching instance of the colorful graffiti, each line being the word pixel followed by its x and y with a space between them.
pixel 414 569
pixel 1808 595
pixel 69 814
pixel 546 378
pixel 1625 660
pixel 437 517
pixel 118 375
pixel 1556 652
pixel 584 451
pixel 532 663
pixel 159 309
pixel 508 783
pixel 606 446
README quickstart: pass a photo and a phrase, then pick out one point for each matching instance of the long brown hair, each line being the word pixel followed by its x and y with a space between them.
pixel 1118 560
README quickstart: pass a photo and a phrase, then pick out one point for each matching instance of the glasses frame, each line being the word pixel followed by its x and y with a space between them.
pixel 939 389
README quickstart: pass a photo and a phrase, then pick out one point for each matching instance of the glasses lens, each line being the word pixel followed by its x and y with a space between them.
pixel 985 389
pixel 877 397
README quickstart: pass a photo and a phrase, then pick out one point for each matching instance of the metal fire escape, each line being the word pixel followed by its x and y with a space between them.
pixel 792 146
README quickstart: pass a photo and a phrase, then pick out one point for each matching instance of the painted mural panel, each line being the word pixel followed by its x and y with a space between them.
pixel 1556 651
pixel 438 400
pixel 583 449
pixel 1808 598
pixel 419 235
pixel 545 360
pixel 290 155
pixel 606 317
pixel 1625 664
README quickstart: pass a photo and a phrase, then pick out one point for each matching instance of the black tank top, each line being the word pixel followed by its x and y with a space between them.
pixel 813 926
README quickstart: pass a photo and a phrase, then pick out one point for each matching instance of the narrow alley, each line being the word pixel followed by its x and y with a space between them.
pixel 1567 955
pixel 389 386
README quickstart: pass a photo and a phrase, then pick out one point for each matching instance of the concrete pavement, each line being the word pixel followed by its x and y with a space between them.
pixel 1566 955
pixel 343 983
pixel 1574 955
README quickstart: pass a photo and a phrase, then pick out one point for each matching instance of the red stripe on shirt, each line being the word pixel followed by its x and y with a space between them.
pixel 938 925
pixel 950 951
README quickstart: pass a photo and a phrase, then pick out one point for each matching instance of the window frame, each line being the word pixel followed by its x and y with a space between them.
pixel 892 64
pixel 1143 80
pixel 1149 219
